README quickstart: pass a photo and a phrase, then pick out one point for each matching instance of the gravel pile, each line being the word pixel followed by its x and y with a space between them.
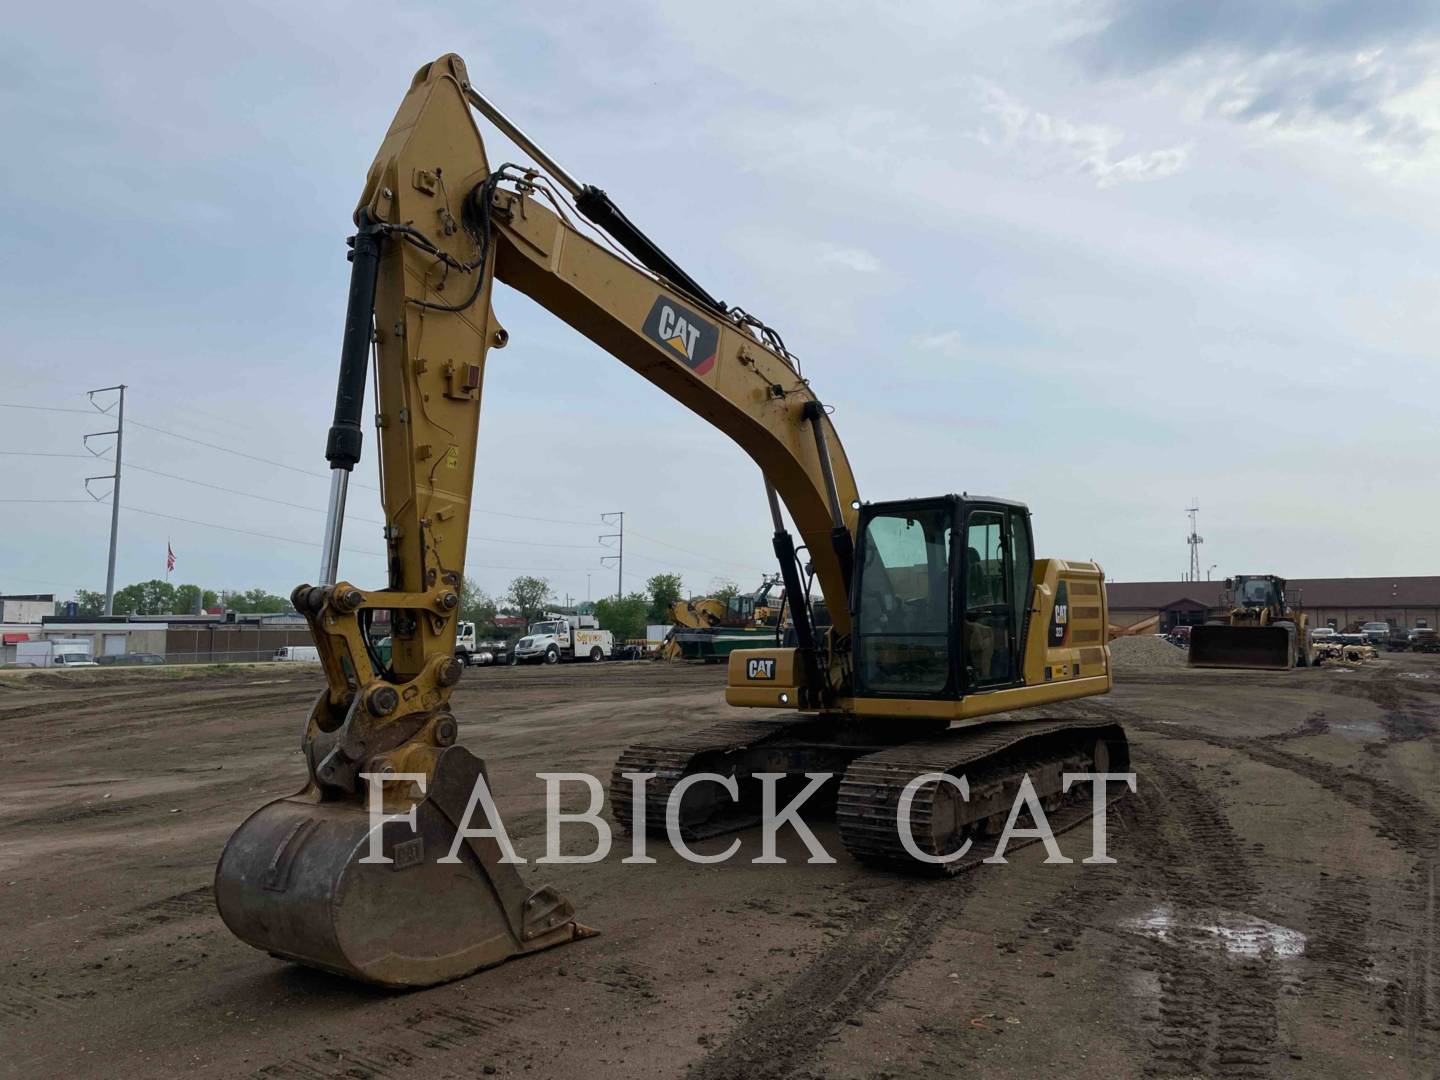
pixel 1145 652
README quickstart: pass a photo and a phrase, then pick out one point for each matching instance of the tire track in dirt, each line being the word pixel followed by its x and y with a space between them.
pixel 788 1029
pixel 1340 920
pixel 1414 998
pixel 783 1034
pixel 425 1042
pixel 1216 1014
pixel 1403 715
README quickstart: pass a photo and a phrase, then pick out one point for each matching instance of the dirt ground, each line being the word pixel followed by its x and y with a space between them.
pixel 1272 912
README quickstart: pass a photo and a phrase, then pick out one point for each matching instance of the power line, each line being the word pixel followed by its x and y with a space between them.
pixel 49 453
pixel 246 494
pixel 293 540
pixel 322 476
pixel 325 476
pixel 237 453
pixel 44 408
pixel 529 517
pixel 368 521
pixel 688 551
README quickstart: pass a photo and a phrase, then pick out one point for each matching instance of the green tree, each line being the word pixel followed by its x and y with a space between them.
pixel 255 601
pixel 153 597
pixel 186 595
pixel 724 589
pixel 623 618
pixel 90 603
pixel 527 595
pixel 476 605
pixel 664 590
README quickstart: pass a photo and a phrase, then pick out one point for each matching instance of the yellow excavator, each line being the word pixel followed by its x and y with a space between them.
pixel 942 618
pixel 740 610
pixel 709 628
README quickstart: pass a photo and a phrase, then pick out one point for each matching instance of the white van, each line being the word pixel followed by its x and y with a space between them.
pixel 297 652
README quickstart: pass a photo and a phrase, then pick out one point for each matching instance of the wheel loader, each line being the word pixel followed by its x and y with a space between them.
pixel 942 619
pixel 1261 629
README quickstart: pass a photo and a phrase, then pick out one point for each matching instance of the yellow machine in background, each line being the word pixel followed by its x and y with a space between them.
pixel 942 617
pixel 711 628
pixel 1262 630
pixel 760 608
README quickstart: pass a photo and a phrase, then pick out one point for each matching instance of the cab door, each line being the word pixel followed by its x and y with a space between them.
pixel 993 596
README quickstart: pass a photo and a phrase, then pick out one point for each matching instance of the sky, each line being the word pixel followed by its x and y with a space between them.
pixel 1109 259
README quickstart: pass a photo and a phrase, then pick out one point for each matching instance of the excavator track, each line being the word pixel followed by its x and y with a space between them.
pixel 992 758
pixel 705 750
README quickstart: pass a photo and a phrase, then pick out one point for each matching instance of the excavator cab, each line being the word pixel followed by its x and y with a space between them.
pixel 941 597
pixel 951 617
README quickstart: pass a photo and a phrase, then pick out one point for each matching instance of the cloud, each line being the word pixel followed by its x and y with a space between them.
pixel 1142 35
pixel 943 341
pixel 1291 66
pixel 1055 143
pixel 851 258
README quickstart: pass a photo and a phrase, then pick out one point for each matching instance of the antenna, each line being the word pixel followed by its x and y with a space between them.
pixel 1194 540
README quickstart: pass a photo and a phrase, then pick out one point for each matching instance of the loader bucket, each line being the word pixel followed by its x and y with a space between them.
pixel 1268 647
pixel 291 881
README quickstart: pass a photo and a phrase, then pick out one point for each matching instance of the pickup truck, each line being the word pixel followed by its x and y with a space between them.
pixel 1377 633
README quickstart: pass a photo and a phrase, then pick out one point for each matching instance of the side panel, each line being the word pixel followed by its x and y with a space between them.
pixel 764 678
pixel 1067 636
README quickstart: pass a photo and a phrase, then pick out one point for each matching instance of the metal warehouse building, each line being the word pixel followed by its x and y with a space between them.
pixel 1405 602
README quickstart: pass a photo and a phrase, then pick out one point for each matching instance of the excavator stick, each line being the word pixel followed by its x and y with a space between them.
pixel 295 880
pixel 1264 647
pixel 319 878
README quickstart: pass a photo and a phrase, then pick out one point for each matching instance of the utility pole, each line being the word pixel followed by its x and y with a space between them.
pixel 119 434
pixel 615 517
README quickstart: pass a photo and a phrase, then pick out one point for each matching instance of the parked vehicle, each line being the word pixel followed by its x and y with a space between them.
pixel 73 660
pixel 1377 633
pixel 1424 639
pixel 56 652
pixel 470 650
pixel 297 653
pixel 565 637
pixel 1320 633
pixel 126 659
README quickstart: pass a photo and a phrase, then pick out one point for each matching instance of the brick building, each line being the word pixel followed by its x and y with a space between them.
pixel 1406 602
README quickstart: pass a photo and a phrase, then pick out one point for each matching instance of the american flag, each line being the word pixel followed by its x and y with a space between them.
pixel 169 557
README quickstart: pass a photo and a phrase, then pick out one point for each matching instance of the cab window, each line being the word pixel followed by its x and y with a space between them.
pixel 989 631
pixel 903 622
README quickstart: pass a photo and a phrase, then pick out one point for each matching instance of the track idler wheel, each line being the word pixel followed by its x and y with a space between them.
pixel 291 881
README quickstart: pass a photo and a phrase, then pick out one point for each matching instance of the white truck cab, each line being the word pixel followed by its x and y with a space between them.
pixel 565 637
pixel 469 649
pixel 56 652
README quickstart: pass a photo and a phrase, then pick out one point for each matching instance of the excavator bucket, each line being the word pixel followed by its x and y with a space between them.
pixel 292 881
pixel 1268 647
